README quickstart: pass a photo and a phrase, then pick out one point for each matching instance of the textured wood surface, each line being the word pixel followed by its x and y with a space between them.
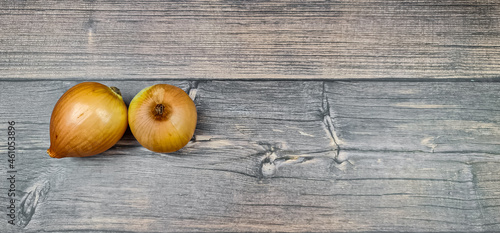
pixel 198 39
pixel 416 116
pixel 314 116
pixel 274 156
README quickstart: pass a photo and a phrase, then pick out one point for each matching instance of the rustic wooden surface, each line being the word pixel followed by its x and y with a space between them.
pixel 275 155
pixel 204 39
pixel 322 116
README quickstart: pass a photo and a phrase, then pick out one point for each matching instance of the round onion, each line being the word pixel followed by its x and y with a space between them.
pixel 162 118
pixel 87 120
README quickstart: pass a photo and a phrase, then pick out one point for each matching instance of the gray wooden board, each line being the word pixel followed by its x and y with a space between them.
pixel 249 39
pixel 416 116
pixel 272 156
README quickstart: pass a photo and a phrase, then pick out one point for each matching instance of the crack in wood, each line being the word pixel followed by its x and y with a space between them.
pixel 267 166
pixel 192 90
pixel 282 205
pixel 29 202
pixel 37 193
pixel 476 194
pixel 215 169
pixel 330 130
pixel 275 157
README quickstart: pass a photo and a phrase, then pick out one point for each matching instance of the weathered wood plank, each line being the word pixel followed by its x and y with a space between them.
pixel 200 39
pixel 392 191
pixel 242 126
pixel 263 159
pixel 416 116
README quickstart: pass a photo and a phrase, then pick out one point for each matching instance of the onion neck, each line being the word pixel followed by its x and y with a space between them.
pixel 116 90
pixel 162 111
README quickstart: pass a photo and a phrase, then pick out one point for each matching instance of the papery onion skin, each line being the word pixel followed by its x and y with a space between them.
pixel 87 120
pixel 162 118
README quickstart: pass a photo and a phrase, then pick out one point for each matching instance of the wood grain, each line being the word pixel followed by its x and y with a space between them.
pixel 416 116
pixel 273 156
pixel 199 39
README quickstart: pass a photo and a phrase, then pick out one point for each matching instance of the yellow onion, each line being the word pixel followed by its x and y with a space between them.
pixel 87 120
pixel 162 118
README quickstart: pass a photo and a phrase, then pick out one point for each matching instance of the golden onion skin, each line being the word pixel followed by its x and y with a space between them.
pixel 87 120
pixel 162 118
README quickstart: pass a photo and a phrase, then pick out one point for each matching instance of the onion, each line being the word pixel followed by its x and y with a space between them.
pixel 87 120
pixel 162 118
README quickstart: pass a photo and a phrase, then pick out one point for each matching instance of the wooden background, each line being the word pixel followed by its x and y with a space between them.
pixel 313 115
